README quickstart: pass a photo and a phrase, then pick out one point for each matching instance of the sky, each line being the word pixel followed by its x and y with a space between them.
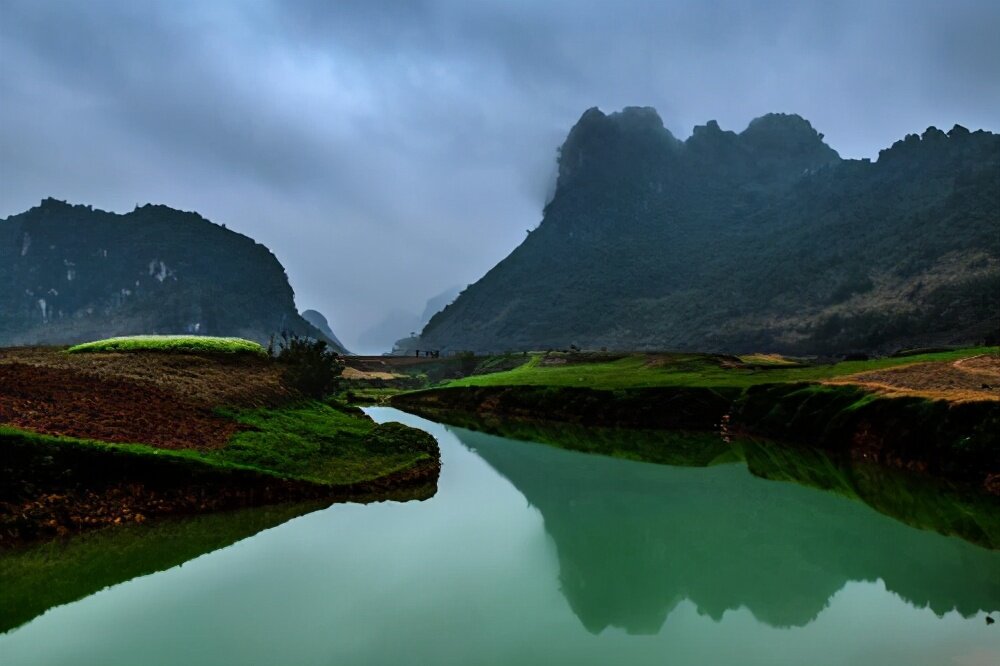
pixel 387 150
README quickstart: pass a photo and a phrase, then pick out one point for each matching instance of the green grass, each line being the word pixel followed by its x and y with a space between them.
pixel 317 442
pixel 194 344
pixel 636 371
pixel 368 396
pixel 184 457
pixel 310 441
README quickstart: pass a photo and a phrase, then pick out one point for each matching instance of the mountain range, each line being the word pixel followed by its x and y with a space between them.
pixel 71 273
pixel 763 240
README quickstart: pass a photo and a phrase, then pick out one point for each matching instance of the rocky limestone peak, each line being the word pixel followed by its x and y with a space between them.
pixel 600 141
pixel 777 137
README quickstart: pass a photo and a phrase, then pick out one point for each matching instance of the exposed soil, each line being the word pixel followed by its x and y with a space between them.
pixel 241 381
pixel 969 379
pixel 579 358
pixel 388 363
pixel 60 401
pixel 355 374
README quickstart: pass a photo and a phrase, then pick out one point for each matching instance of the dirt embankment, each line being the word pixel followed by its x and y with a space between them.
pixel 680 408
pixel 48 491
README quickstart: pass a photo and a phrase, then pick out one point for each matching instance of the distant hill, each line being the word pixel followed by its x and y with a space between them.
pixel 71 273
pixel 318 320
pixel 762 240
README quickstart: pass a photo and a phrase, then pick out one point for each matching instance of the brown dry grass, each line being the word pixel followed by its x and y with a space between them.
pixel 967 380
pixel 354 373
pixel 202 380
pixel 59 401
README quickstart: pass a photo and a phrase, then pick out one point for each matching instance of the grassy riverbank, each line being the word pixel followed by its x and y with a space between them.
pixel 937 413
pixel 619 371
pixel 109 438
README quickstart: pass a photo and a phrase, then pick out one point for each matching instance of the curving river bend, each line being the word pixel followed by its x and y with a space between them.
pixel 527 554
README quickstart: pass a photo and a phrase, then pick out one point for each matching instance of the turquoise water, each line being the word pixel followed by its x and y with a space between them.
pixel 529 554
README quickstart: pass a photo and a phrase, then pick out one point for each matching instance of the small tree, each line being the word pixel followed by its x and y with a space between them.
pixel 311 366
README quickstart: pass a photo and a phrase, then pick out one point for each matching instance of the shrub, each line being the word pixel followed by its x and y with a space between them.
pixel 311 367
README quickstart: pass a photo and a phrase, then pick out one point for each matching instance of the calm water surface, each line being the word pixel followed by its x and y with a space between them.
pixel 533 555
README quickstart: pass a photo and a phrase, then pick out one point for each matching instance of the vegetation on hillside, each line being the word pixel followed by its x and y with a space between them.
pixel 759 241
pixel 73 273
pixel 311 366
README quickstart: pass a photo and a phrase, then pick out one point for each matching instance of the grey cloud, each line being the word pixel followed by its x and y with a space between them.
pixel 387 150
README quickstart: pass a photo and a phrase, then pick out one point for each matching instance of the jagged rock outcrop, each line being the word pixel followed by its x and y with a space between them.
pixel 760 240
pixel 71 273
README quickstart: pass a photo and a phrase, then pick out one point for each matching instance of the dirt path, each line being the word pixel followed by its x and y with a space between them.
pixel 969 379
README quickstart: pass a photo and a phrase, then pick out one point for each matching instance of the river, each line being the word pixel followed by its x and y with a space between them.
pixel 527 554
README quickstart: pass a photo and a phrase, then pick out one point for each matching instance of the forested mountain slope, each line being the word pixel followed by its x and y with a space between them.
pixel 762 240
pixel 71 273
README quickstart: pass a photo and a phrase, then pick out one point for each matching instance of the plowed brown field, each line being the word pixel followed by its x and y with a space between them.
pixel 59 401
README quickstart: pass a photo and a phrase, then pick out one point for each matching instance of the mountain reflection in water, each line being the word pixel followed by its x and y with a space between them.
pixel 635 539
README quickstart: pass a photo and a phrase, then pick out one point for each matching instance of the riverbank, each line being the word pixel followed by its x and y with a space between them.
pixel 99 439
pixel 905 419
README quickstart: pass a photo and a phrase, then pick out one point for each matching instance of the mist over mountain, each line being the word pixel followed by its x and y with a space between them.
pixel 393 330
pixel 72 273
pixel 761 240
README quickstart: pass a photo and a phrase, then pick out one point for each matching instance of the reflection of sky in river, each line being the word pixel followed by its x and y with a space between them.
pixel 555 565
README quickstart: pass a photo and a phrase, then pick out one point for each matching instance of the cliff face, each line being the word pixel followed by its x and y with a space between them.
pixel 71 273
pixel 762 240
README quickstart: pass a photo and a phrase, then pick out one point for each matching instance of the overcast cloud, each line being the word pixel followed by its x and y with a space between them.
pixel 386 151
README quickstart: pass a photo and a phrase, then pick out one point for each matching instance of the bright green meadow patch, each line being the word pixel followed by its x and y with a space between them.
pixel 319 442
pixel 192 344
pixel 643 370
